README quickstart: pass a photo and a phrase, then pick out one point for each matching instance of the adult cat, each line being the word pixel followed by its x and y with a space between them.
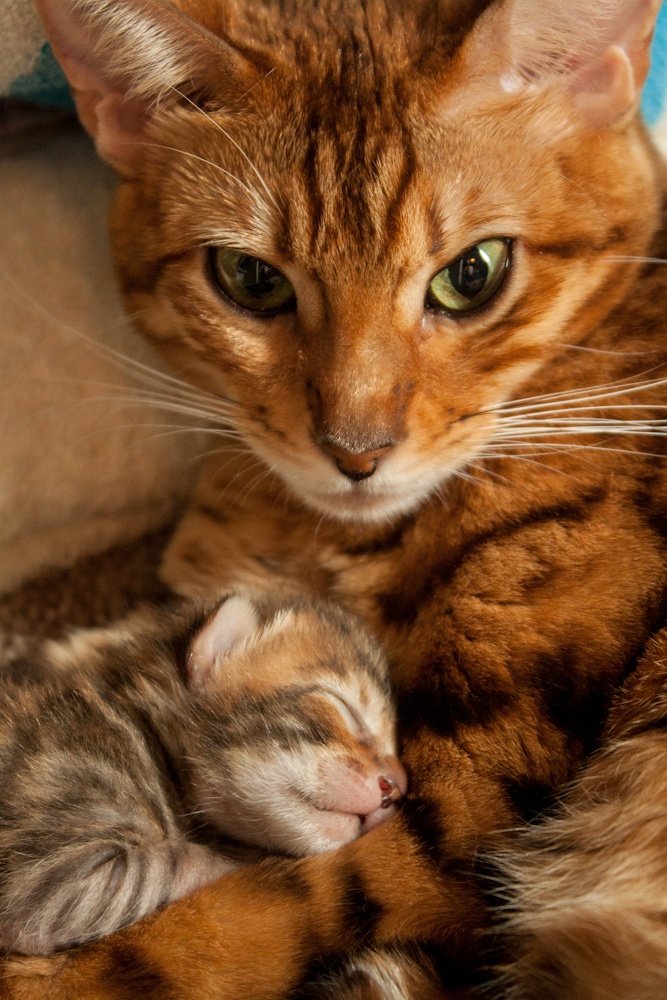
pixel 403 249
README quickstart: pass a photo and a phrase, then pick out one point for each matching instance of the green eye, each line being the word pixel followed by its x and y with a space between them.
pixel 251 282
pixel 472 279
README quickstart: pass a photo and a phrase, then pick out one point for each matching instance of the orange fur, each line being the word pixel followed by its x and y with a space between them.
pixel 513 571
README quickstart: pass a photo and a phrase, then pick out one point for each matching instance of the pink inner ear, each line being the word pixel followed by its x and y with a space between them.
pixel 121 136
pixel 607 89
pixel 235 621
pixel 113 119
pixel 598 51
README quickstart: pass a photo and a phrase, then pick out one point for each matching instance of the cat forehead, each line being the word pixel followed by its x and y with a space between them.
pixel 314 33
pixel 317 167
pixel 332 196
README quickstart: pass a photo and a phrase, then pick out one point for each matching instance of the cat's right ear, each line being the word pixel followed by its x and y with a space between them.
pixel 125 59
pixel 235 621
pixel 594 55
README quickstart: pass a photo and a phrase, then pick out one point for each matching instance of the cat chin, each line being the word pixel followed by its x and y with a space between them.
pixel 363 507
pixel 380 503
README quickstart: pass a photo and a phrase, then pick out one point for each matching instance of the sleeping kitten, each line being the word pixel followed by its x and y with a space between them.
pixel 123 744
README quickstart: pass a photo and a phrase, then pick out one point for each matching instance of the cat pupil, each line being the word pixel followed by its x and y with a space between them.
pixel 470 273
pixel 256 277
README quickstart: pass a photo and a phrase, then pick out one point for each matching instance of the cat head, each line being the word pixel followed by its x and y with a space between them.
pixel 293 728
pixel 365 226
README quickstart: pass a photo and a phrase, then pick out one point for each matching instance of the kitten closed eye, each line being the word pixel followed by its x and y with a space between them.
pixel 121 766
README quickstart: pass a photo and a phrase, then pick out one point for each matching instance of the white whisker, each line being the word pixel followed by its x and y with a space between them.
pixel 609 353
pixel 234 143
pixel 637 260
pixel 560 399
pixel 209 163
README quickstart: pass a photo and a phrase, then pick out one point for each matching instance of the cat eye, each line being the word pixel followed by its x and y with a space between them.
pixel 472 280
pixel 250 282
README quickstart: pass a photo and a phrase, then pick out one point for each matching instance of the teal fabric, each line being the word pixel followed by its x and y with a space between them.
pixel 655 92
pixel 46 83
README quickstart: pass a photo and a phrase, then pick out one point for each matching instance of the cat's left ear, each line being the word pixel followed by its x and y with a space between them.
pixel 597 53
pixel 235 621
pixel 126 59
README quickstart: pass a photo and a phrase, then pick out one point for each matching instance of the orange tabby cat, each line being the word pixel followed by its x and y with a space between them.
pixel 405 251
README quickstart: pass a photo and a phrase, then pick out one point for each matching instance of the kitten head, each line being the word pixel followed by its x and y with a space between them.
pixel 365 226
pixel 293 727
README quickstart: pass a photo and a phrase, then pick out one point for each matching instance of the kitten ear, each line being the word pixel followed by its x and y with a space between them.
pixel 235 620
pixel 123 58
pixel 599 53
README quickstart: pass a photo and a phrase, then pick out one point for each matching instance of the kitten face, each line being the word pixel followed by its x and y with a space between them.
pixel 294 735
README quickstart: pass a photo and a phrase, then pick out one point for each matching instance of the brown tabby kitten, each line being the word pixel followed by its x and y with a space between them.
pixel 121 748
pixel 406 251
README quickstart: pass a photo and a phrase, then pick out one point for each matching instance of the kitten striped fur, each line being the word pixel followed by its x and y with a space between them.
pixel 121 759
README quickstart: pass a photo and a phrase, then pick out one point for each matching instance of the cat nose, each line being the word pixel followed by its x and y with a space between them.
pixel 357 466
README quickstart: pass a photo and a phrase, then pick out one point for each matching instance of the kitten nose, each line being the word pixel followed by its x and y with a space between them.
pixel 357 466
pixel 390 792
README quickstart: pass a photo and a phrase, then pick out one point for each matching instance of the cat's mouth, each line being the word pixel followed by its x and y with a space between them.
pixel 364 503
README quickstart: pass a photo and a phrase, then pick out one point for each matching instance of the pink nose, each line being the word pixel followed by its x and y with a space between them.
pixel 393 781
pixel 390 792
pixel 363 788
pixel 356 465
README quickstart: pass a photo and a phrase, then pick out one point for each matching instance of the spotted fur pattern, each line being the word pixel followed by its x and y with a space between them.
pixel 487 490
pixel 588 899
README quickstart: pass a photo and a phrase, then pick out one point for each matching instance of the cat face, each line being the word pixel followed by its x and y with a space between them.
pixel 378 234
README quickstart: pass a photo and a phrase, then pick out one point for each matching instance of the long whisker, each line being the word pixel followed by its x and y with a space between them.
pixel 234 143
pixel 201 159
pixel 563 448
pixel 166 386
pixel 638 260
pixel 161 402
pixel 560 399
pixel 658 429
pixel 609 353
pixel 553 414
pixel 532 460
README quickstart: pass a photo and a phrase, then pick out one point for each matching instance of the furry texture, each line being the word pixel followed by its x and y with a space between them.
pixel 120 753
pixel 589 909
pixel 462 475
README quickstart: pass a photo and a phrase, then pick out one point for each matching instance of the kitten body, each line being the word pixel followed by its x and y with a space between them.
pixel 119 759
